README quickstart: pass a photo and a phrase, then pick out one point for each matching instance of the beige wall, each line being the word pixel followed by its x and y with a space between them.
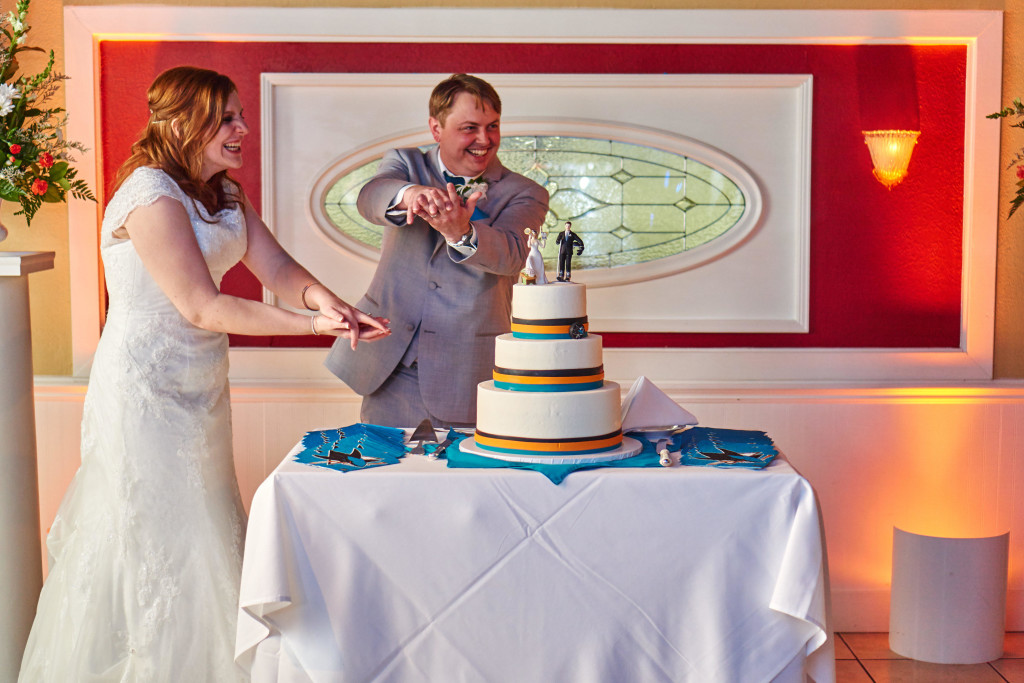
pixel 1009 343
pixel 50 292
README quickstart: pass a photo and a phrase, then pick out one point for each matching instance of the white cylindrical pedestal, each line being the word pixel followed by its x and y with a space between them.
pixel 21 572
pixel 948 602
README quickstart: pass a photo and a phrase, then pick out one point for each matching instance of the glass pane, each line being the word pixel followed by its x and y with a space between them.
pixel 630 203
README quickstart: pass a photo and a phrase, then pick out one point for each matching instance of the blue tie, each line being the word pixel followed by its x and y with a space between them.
pixel 455 180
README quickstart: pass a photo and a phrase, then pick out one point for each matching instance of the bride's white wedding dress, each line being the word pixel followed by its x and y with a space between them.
pixel 146 549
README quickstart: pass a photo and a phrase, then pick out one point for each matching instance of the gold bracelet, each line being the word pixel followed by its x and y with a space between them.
pixel 302 296
pixel 312 324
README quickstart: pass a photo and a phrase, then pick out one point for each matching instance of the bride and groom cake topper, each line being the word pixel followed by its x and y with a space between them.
pixel 533 272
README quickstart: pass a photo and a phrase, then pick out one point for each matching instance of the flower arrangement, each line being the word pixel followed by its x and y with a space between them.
pixel 477 184
pixel 1016 109
pixel 35 159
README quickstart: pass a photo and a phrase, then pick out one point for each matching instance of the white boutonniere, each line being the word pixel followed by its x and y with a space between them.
pixel 477 184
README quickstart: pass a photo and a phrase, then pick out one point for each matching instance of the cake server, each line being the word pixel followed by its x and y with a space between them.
pixel 423 434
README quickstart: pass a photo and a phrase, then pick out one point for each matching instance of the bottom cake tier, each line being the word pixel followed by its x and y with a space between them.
pixel 566 423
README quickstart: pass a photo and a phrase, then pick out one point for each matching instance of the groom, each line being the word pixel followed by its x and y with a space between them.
pixel 566 241
pixel 453 245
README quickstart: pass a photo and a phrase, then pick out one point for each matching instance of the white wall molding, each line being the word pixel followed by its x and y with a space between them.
pixel 533 25
pixel 980 32
pixel 753 278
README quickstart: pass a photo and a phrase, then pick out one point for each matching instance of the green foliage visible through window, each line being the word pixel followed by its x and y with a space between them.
pixel 630 203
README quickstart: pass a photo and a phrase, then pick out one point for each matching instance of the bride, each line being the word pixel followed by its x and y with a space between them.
pixel 535 260
pixel 145 551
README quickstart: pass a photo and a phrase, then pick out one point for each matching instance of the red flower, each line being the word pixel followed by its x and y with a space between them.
pixel 46 160
pixel 39 186
pixel 15 149
pixel 1020 172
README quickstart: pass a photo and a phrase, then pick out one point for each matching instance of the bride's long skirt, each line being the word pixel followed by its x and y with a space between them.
pixel 145 551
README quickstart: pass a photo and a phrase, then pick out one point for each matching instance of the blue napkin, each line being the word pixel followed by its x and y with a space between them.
pixel 356 447
pixel 711 447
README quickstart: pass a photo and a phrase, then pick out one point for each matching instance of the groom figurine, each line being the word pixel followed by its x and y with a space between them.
pixel 453 245
pixel 566 241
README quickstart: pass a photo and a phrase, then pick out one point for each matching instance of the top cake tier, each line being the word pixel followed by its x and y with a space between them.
pixel 557 310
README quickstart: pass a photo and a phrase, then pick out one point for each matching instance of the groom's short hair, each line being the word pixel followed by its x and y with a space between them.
pixel 443 96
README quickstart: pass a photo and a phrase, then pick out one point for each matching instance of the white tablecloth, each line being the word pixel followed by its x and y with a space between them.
pixel 415 572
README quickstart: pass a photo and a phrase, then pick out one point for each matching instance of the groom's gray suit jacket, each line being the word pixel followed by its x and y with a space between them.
pixel 459 303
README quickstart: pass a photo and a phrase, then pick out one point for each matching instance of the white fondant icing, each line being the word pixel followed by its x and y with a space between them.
pixel 553 300
pixel 547 354
pixel 548 415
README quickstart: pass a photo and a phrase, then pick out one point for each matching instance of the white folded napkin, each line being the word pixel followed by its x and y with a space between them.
pixel 646 406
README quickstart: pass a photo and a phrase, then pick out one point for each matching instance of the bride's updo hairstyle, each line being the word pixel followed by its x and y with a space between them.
pixel 186 105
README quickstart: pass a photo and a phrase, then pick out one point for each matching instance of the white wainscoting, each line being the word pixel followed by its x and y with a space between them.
pixel 947 460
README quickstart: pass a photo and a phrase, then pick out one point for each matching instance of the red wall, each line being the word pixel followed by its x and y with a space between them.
pixel 885 265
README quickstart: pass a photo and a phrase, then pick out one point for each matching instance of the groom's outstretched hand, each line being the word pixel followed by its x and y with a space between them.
pixel 444 210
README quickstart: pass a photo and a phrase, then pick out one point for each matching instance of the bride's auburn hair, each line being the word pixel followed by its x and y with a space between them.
pixel 186 107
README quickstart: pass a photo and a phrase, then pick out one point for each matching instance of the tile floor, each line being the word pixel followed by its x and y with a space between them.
pixel 866 658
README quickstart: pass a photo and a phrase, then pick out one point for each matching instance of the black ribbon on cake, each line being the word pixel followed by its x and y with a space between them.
pixel 550 328
pixel 571 372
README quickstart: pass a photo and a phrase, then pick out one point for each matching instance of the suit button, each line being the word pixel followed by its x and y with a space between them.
pixel 410 327
pixel 434 285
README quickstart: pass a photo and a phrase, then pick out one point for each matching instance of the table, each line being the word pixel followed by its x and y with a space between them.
pixel 415 572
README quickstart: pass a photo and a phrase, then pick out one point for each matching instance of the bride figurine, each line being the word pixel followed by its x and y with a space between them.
pixel 534 269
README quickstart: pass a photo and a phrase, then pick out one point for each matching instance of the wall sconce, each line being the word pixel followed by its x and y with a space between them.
pixel 890 153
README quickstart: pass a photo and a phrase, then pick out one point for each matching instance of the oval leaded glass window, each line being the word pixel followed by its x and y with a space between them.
pixel 646 203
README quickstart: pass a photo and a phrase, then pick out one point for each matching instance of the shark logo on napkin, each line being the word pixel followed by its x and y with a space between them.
pixel 356 447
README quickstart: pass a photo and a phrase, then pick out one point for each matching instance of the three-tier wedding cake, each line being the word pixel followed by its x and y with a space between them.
pixel 549 401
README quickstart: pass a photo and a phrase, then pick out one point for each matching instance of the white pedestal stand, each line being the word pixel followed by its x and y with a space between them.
pixel 948 602
pixel 21 572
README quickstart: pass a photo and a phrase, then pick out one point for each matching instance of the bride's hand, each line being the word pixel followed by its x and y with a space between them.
pixel 338 318
pixel 370 328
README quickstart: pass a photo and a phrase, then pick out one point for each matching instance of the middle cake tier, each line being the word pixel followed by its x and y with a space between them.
pixel 547 365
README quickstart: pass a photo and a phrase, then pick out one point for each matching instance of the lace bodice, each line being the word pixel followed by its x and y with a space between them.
pixel 223 243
